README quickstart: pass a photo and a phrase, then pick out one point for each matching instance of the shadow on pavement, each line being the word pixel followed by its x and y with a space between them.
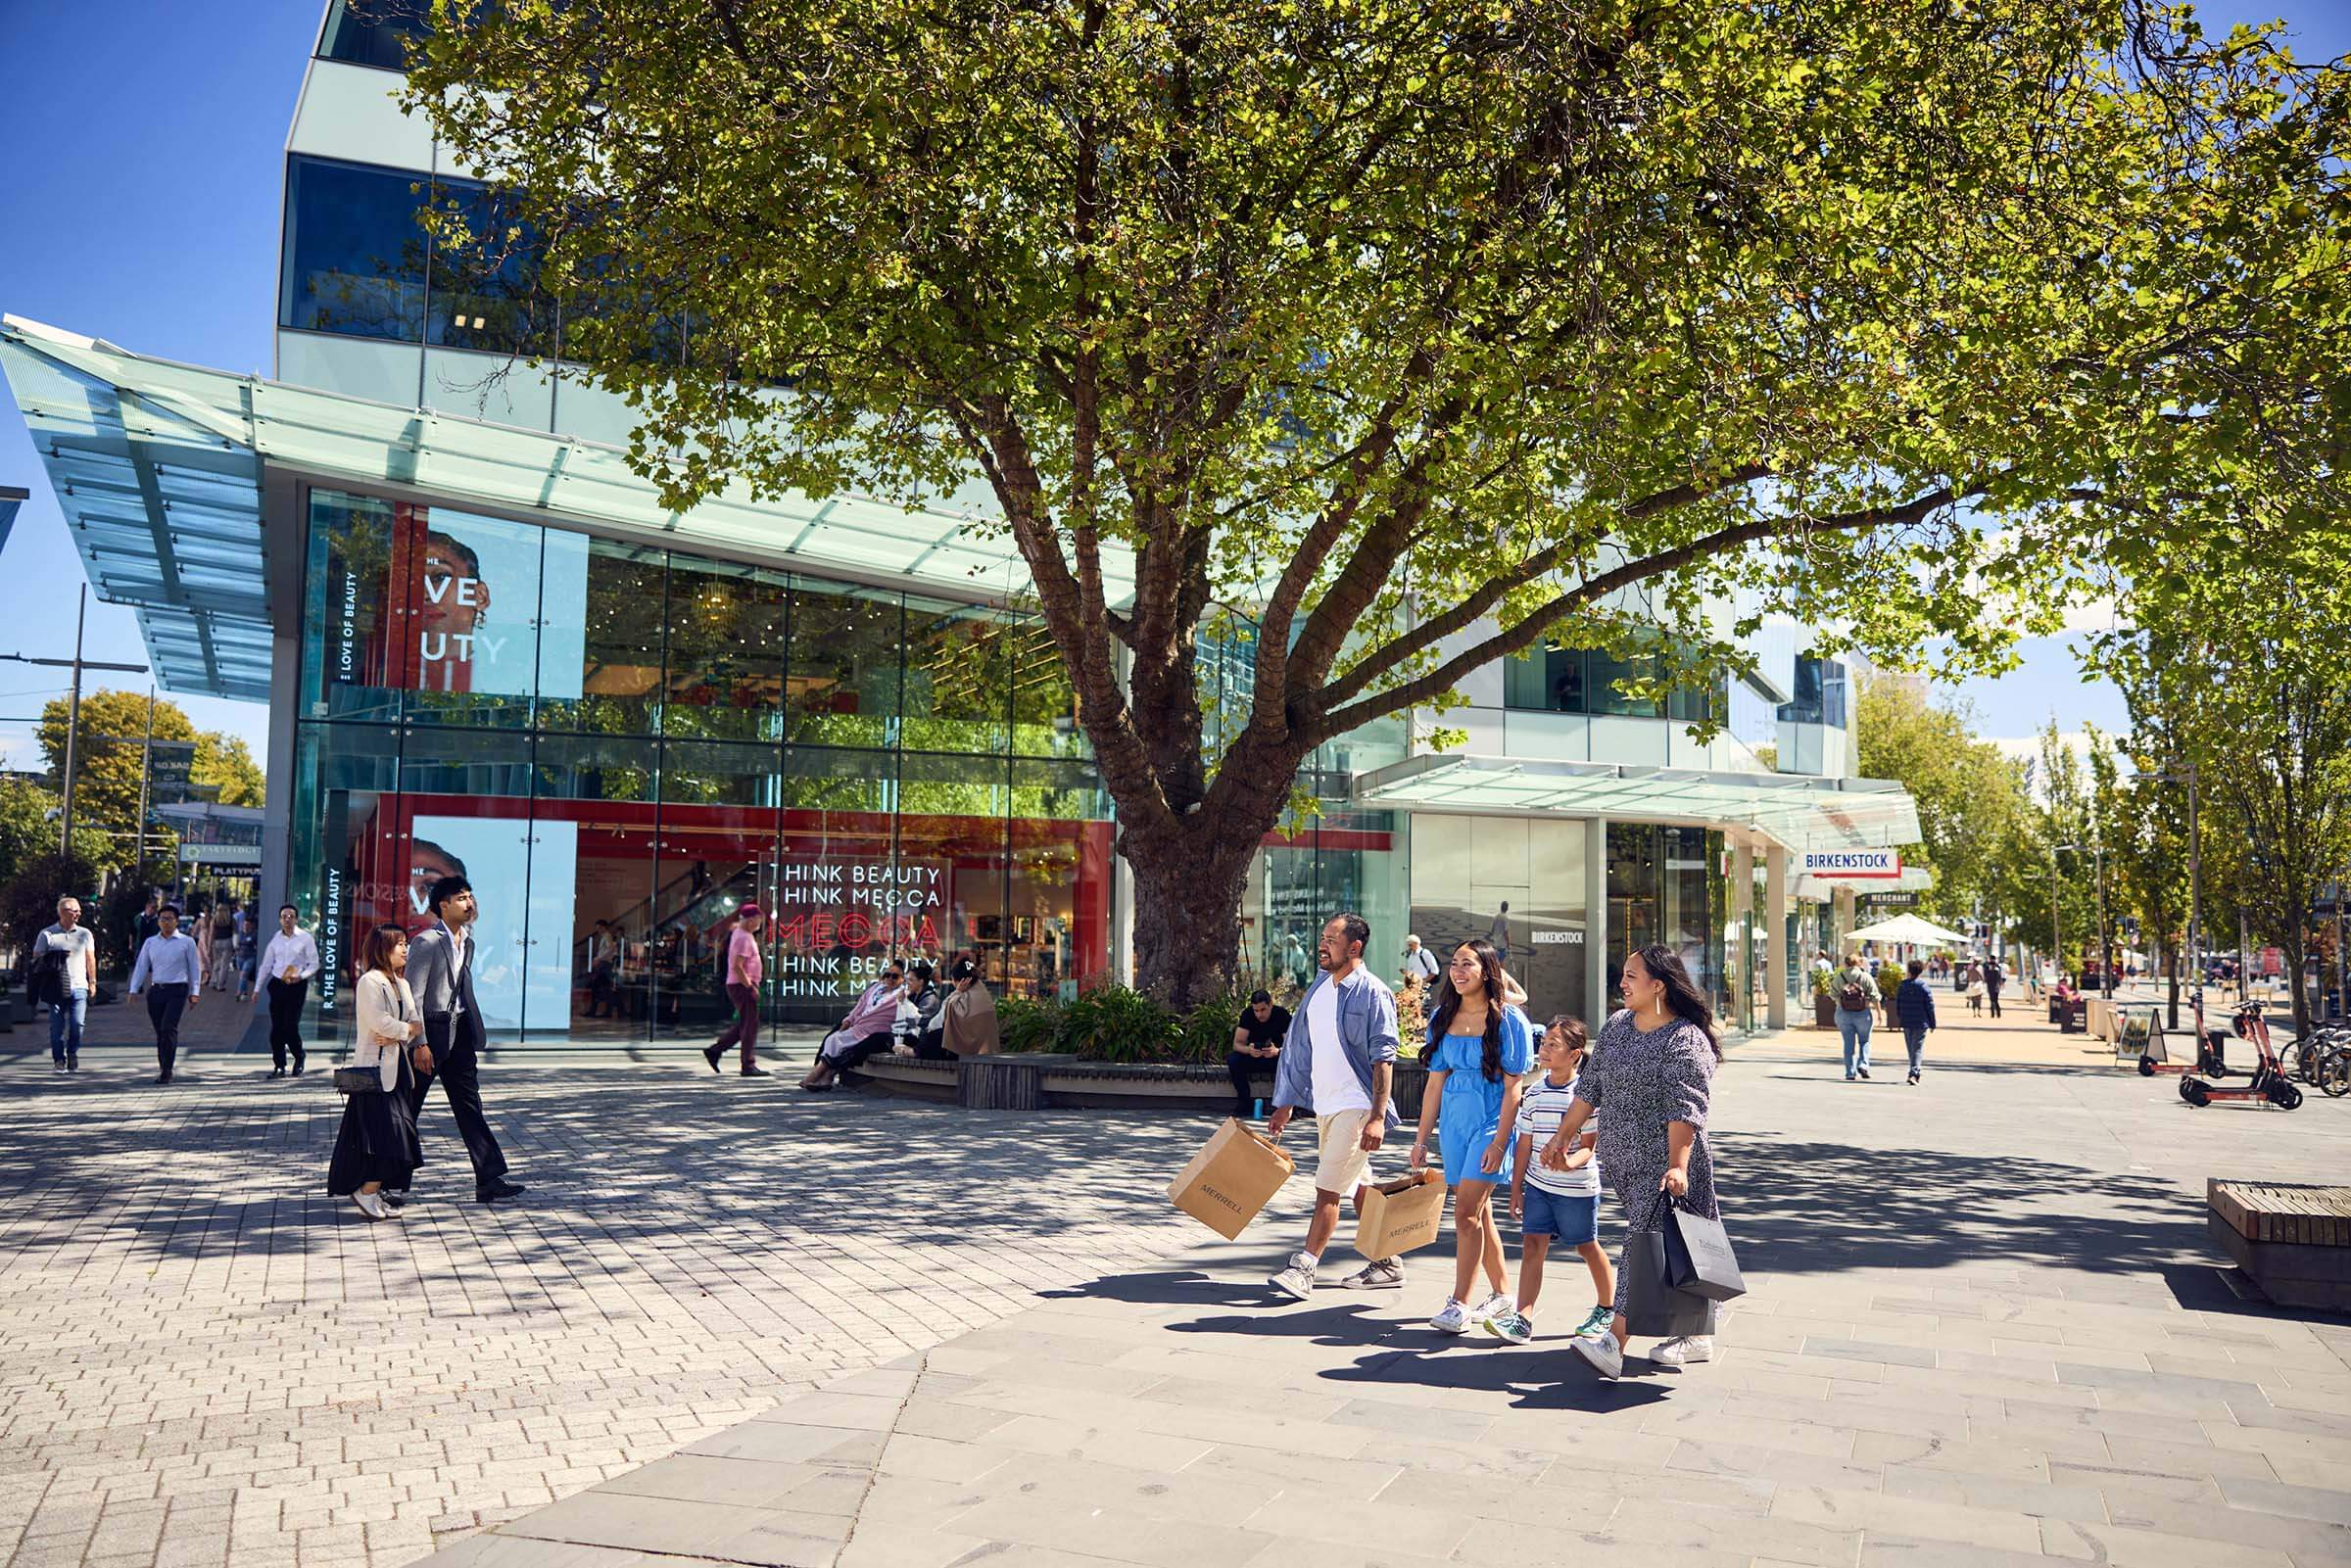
pixel 1542 1379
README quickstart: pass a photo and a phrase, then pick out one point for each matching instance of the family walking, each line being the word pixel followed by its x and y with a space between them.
pixel 1632 1110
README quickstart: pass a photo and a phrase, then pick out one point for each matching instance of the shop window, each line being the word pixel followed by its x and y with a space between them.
pixel 842 681
pixel 375 32
pixel 958 678
pixel 354 255
pixel 1057 906
pixel 727 627
pixel 1819 692
pixel 466 809
pixel 600 789
pixel 601 667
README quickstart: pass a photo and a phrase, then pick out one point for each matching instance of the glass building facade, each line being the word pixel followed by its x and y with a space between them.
pixel 601 732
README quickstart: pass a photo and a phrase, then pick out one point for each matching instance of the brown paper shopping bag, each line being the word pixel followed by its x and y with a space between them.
pixel 1401 1214
pixel 1230 1179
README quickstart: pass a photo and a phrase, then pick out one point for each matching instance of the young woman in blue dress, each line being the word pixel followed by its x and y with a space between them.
pixel 1479 1047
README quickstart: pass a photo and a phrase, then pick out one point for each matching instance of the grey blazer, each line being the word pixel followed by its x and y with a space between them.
pixel 433 975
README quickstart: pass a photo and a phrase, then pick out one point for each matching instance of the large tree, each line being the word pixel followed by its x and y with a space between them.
pixel 107 753
pixel 1971 798
pixel 1418 335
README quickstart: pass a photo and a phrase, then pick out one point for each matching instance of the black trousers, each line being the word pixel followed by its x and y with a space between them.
pixel 285 1019
pixel 1241 1070
pixel 164 1005
pixel 456 1066
pixel 1992 993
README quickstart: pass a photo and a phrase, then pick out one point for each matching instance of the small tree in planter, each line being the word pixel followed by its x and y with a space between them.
pixel 1824 998
pixel 1890 980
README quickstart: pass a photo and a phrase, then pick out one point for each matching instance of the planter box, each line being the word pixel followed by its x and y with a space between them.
pixel 1824 1012
pixel 1191 1088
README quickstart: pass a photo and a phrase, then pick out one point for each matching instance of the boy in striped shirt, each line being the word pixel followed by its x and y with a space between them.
pixel 1555 1206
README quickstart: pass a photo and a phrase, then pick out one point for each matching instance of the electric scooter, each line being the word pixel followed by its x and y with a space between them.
pixel 2211 1057
pixel 2269 1080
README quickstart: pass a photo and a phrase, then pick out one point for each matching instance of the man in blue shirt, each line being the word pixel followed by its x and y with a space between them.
pixel 1338 1063
pixel 171 971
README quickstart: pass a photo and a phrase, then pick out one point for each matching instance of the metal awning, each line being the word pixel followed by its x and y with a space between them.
pixel 1800 811
pixel 12 497
pixel 158 466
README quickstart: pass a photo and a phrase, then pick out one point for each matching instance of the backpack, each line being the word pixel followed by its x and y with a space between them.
pixel 1854 997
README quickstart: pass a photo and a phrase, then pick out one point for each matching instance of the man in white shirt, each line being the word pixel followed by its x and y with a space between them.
pixel 289 962
pixel 77 977
pixel 1339 1061
pixel 171 971
pixel 1419 963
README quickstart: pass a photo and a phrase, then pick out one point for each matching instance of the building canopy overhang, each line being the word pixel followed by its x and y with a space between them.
pixel 1793 810
pixel 158 468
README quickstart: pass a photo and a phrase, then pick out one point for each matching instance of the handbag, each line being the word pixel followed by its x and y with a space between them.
pixel 1699 1258
pixel 367 1081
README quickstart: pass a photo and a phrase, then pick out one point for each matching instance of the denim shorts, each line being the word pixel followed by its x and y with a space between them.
pixel 1570 1219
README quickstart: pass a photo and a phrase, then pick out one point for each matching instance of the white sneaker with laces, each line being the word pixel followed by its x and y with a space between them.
pixel 369 1205
pixel 1602 1351
pixel 1683 1349
pixel 1297 1280
pixel 1493 1306
pixel 1387 1273
pixel 1452 1318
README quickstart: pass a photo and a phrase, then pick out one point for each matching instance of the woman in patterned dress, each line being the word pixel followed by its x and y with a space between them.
pixel 1652 1069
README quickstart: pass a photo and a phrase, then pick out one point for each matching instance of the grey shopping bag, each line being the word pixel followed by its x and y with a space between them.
pixel 1652 1306
pixel 1698 1256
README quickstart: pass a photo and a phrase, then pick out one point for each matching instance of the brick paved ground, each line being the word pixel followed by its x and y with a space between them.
pixel 1985 1332
pixel 204 1359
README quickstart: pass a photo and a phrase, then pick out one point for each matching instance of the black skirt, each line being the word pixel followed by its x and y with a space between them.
pixel 378 1141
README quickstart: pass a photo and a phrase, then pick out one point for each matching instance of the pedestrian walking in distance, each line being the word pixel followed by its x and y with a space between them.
pixel 223 957
pixel 376 1150
pixel 1995 977
pixel 289 962
pixel 1479 1050
pixel 1914 1005
pixel 169 971
pixel 1339 1064
pixel 744 968
pixel 1649 1080
pixel 65 969
pixel 1858 1003
pixel 1419 963
pixel 441 975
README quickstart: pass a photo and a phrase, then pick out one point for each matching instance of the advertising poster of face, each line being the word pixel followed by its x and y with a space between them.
pixel 444 602
pixel 500 858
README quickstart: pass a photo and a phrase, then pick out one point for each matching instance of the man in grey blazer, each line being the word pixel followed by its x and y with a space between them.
pixel 440 973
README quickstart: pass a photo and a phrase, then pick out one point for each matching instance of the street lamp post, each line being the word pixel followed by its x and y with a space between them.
pixel 78 664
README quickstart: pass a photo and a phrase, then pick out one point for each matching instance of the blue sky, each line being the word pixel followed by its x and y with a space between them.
pixel 142 206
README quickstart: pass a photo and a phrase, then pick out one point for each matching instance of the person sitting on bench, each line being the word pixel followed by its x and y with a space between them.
pixel 863 1033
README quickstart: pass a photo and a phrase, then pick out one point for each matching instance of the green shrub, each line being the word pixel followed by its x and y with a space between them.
pixel 1028 1023
pixel 1116 1023
pixel 1208 1033
pixel 1889 979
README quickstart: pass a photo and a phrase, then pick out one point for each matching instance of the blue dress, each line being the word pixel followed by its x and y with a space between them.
pixel 1471 1112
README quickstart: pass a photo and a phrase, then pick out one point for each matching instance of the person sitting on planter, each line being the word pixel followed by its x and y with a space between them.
pixel 1256 1044
pixel 864 1032
pixel 968 1020
pixel 918 1027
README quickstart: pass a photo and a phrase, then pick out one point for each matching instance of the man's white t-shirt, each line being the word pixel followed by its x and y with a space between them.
pixel 1336 1086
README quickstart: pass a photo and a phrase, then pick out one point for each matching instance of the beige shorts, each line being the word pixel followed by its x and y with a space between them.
pixel 1342 1164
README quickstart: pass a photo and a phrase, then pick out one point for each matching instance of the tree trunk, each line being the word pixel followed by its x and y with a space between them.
pixel 1187 910
pixel 2295 951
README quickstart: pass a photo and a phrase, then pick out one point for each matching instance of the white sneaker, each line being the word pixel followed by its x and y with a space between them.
pixel 1298 1280
pixel 1602 1351
pixel 369 1205
pixel 1493 1306
pixel 1387 1273
pixel 1683 1349
pixel 1452 1318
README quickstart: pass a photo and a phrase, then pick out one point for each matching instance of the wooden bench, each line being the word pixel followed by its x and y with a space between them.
pixel 1006 1083
pixel 2295 1241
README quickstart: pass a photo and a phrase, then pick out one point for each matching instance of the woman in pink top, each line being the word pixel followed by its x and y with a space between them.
pixel 744 971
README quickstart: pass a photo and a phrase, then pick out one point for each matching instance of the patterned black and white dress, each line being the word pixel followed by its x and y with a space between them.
pixel 1639 1083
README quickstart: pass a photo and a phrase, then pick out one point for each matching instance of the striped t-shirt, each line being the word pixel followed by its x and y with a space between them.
pixel 1540 1112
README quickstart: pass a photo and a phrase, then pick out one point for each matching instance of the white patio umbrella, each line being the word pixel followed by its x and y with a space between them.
pixel 1908 928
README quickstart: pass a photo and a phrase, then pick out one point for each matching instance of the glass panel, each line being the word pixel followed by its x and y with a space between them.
pixel 958 679
pixel 600 790
pixel 1552 680
pixel 347 636
pixel 375 33
pixel 1633 883
pixel 954 861
pixel 717 849
pixel 465 808
pixel 842 685
pixel 346 868
pixel 1687 922
pixel 1057 912
pixel 600 667
pixel 1556 921
pixel 727 630
pixel 354 252
pixel 485 292
pixel 1819 692
pixel 837 844
pixel 1606 670
pixel 1044 705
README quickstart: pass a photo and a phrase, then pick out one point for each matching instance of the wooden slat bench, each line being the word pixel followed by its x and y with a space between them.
pixel 2295 1241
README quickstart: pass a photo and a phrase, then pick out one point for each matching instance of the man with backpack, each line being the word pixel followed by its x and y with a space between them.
pixel 1857 998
